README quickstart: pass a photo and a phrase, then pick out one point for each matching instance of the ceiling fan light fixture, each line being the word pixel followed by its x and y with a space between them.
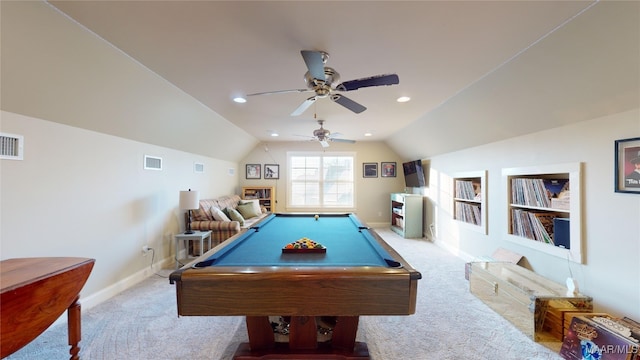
pixel 403 99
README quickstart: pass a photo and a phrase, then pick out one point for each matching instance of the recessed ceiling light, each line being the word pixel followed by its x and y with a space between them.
pixel 403 99
pixel 275 134
pixel 368 134
pixel 239 99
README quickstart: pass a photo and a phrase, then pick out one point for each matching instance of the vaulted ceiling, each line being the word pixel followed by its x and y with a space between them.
pixel 476 71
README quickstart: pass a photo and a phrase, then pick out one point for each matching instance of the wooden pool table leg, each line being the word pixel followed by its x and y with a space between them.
pixel 260 333
pixel 73 327
pixel 303 333
pixel 344 333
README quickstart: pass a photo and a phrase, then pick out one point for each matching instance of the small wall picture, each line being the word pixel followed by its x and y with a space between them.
pixel 388 169
pixel 370 170
pixel 253 171
pixel 627 165
pixel 271 171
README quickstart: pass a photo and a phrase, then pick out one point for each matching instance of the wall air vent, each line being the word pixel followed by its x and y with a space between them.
pixel 11 146
pixel 152 162
pixel 198 167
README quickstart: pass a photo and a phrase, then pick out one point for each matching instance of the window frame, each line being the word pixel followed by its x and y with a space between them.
pixel 319 207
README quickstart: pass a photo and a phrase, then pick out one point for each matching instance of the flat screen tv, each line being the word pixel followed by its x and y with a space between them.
pixel 413 174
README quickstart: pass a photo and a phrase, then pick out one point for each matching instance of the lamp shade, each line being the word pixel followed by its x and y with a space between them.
pixel 189 200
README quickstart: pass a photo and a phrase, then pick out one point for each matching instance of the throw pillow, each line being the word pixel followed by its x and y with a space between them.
pixel 218 214
pixel 254 202
pixel 247 211
pixel 235 216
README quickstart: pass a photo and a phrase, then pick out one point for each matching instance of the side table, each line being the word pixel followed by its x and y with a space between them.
pixel 200 236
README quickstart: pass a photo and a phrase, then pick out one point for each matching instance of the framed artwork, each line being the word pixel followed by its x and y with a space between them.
pixel 388 169
pixel 271 171
pixel 370 170
pixel 253 171
pixel 627 165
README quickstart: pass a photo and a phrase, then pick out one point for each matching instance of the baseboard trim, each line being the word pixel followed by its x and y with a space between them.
pixel 118 287
pixel 455 251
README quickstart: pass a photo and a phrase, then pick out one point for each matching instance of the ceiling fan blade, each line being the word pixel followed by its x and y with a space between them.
pixel 281 92
pixel 324 143
pixel 378 80
pixel 348 103
pixel 314 62
pixel 343 140
pixel 304 106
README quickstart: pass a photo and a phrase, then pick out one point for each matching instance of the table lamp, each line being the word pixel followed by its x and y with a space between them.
pixel 189 201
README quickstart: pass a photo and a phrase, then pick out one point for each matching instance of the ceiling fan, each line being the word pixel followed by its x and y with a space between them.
pixel 324 136
pixel 325 82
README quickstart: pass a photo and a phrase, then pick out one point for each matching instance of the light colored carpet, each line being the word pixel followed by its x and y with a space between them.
pixel 450 323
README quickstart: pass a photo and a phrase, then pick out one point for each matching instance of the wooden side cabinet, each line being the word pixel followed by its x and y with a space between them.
pixel 406 215
pixel 265 194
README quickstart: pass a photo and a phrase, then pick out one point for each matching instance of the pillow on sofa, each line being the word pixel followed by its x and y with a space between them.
pixel 235 216
pixel 248 211
pixel 218 214
pixel 255 203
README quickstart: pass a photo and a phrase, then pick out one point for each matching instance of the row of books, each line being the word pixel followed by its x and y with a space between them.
pixel 257 194
pixel 533 225
pixel 468 190
pixel 468 213
pixel 538 192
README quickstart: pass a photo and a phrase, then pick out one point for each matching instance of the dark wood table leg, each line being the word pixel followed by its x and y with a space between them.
pixel 303 333
pixel 344 333
pixel 260 333
pixel 75 331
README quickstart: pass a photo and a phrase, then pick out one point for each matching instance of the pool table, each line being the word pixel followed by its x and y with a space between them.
pixel 250 275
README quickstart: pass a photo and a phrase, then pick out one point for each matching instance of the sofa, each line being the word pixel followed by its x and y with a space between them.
pixel 208 217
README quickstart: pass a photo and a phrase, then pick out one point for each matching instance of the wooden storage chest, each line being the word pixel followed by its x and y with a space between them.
pixel 529 301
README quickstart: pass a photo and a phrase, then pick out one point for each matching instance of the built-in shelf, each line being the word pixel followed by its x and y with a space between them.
pixel 266 195
pixel 469 199
pixel 544 208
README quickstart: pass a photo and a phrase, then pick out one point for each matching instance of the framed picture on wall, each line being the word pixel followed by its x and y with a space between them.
pixel 370 170
pixel 271 171
pixel 627 165
pixel 388 169
pixel 253 171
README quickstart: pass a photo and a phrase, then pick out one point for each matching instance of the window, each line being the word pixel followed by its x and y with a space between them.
pixel 321 180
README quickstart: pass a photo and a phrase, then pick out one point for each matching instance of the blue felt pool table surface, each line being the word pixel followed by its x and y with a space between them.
pixel 347 241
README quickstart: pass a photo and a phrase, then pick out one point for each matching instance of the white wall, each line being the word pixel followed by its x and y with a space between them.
pixel 54 69
pixel 611 221
pixel 85 194
pixel 372 194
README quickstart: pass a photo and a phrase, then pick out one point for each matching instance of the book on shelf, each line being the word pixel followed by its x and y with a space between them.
pixel 467 189
pixel 534 225
pixel 529 192
pixel 469 213
pixel 545 193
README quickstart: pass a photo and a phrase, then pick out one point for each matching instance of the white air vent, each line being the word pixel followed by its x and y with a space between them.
pixel 11 146
pixel 198 167
pixel 152 162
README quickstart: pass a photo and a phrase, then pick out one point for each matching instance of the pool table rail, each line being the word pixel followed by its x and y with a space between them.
pixel 325 291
